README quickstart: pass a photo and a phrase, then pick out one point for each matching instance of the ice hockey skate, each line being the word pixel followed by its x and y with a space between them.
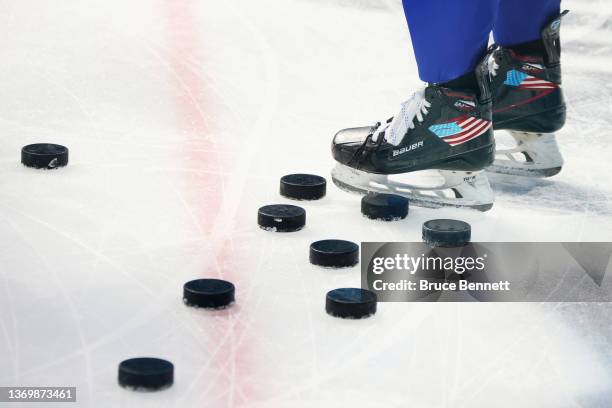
pixel 528 103
pixel 433 151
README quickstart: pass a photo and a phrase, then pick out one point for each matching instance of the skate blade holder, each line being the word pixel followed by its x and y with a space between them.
pixel 527 154
pixel 425 188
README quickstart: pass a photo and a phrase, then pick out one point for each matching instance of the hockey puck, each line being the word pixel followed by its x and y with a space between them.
pixel 208 293
pixel 350 303
pixel 386 207
pixel 303 186
pixel 334 253
pixel 146 374
pixel 44 156
pixel 446 233
pixel 281 217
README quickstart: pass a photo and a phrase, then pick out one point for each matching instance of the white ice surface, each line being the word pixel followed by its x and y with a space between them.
pixel 180 117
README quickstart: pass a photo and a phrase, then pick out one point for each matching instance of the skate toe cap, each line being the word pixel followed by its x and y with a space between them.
pixel 356 135
pixel 348 142
pixel 344 153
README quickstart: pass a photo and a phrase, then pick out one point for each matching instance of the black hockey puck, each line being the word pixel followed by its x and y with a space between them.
pixel 303 186
pixel 446 233
pixel 334 253
pixel 146 374
pixel 44 156
pixel 281 217
pixel 208 293
pixel 350 303
pixel 386 207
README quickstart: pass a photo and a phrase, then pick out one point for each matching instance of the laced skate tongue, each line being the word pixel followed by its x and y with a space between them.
pixel 413 109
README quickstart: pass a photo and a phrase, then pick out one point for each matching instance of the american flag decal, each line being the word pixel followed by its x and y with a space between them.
pixel 525 81
pixel 461 130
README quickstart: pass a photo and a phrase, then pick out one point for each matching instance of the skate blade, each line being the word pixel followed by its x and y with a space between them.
pixel 458 190
pixel 503 168
pixel 533 155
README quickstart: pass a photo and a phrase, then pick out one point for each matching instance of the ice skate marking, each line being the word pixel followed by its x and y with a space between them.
pixel 460 130
pixel 524 81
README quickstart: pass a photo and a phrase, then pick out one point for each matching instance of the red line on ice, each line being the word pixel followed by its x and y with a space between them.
pixel 204 153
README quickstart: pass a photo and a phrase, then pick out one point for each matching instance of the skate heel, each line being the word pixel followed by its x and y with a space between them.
pixel 474 160
pixel 535 154
pixel 550 121
pixel 541 122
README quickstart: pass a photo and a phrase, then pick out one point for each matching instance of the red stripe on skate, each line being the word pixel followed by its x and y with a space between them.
pixel 466 131
pixel 471 135
pixel 537 86
pixel 230 352
pixel 528 100
pixel 536 83
pixel 475 123
pixel 535 80
pixel 465 122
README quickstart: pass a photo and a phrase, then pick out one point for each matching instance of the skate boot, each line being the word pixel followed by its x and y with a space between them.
pixel 528 103
pixel 441 138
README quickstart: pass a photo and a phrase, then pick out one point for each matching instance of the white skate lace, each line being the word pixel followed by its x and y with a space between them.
pixel 396 129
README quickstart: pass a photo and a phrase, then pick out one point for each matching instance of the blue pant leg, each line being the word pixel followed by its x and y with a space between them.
pixel 520 21
pixel 449 36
